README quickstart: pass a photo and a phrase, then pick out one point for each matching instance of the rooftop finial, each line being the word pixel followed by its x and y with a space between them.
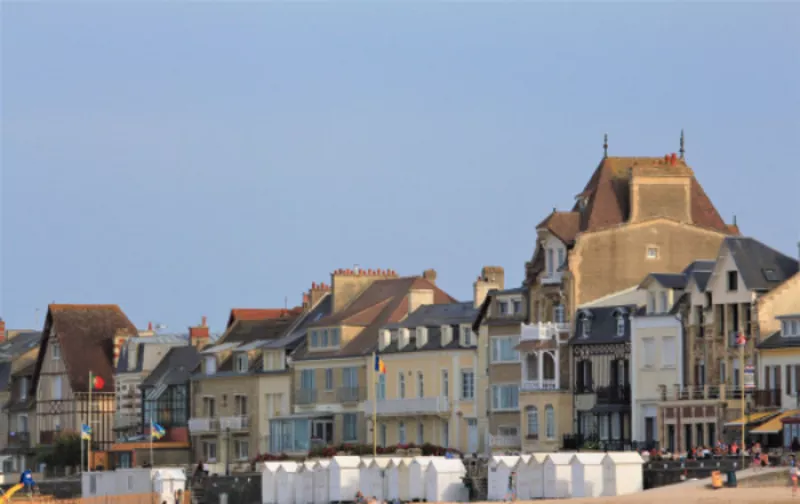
pixel 683 150
pixel 734 219
pixel 605 146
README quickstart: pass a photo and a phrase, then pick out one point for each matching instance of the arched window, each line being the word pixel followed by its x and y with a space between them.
pixel 550 422
pixel 533 422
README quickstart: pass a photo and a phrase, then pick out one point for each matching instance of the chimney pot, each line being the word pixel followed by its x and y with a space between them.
pixel 149 326
pixel 203 324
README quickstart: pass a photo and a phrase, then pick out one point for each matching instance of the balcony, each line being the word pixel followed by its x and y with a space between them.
pixel 766 398
pixel 551 278
pixel 305 397
pixel 504 441
pixel 19 440
pixel 411 406
pixel 124 420
pixel 760 398
pixel 538 385
pixel 234 423
pixel 620 394
pixel 350 394
pixel 541 331
pixel 202 425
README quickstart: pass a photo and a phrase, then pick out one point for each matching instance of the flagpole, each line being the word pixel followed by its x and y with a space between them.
pixel 89 424
pixel 741 366
pixel 151 441
pixel 375 405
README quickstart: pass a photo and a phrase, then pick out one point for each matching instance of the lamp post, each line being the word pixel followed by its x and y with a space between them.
pixel 228 452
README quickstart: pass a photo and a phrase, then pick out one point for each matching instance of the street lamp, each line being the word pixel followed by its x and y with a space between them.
pixel 228 455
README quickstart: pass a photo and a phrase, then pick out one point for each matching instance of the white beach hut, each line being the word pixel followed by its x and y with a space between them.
pixel 285 480
pixel 557 475
pixel 443 481
pixel 321 492
pixel 587 474
pixel 416 472
pixel 500 469
pixel 531 475
pixel 622 473
pixel 344 478
pixel 397 483
pixel 377 485
pixel 522 482
pixel 365 483
pixel 304 483
pixel 269 484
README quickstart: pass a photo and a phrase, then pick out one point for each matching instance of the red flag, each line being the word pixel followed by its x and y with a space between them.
pixel 741 339
pixel 98 383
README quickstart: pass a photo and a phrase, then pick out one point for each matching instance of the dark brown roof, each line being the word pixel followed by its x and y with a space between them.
pixel 247 331
pixel 382 302
pixel 260 313
pixel 86 335
pixel 565 225
pixel 608 193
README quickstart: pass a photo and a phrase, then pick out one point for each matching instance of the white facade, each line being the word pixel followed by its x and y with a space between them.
pixel 622 473
pixel 444 481
pixel 344 478
pixel 530 476
pixel 587 474
pixel 500 469
pixel 650 340
pixel 269 483
pixel 557 476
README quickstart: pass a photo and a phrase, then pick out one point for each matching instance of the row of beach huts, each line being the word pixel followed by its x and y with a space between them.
pixel 440 479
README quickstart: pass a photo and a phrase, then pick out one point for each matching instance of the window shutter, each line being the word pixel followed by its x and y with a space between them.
pixel 777 383
pixel 580 376
pixel 627 372
pixel 614 373
pixel 796 379
pixel 788 389
pixel 590 376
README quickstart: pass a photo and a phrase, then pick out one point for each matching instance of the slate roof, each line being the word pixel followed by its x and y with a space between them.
pixel 603 325
pixel 86 335
pixel 382 302
pixel 247 331
pixel 295 336
pixel 699 270
pixel 175 368
pixel 438 315
pixel 775 340
pixel 761 267
pixel 141 343
pixel 19 344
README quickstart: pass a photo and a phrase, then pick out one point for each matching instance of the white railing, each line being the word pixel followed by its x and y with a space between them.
pixel 541 331
pixel 203 424
pixel 533 385
pixel 412 406
pixel 552 278
pixel 562 326
pixel 504 441
pixel 238 422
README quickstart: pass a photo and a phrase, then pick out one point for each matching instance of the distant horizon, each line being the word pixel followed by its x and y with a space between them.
pixel 180 160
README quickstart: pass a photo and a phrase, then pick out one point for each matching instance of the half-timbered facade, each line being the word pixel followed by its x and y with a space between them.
pixel 601 355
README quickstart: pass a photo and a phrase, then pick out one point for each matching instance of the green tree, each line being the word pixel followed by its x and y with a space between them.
pixel 65 451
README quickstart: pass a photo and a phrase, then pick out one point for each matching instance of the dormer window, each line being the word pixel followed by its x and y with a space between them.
pixel 586 323
pixel 558 314
pixel 325 338
pixel 466 336
pixel 790 328
pixel 211 365
pixel 314 339
pixel 241 363
pixel 23 388
pixel 620 325
pixel 502 307
pixel 516 306
pixel 335 337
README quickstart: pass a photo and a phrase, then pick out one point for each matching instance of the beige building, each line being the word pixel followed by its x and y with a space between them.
pixel 779 359
pixel 332 367
pixel 427 394
pixel 634 216
pixel 716 308
pixel 77 340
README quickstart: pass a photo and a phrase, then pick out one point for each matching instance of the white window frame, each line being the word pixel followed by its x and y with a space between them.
pixel 498 395
pixel 467 391
pixel 532 420
pixel 23 388
pixel 652 252
pixel 648 357
pixel 211 365
pixel 354 418
pixel 664 302
pixel 558 314
pixel 209 449
pixel 242 454
pixel 241 363
pixel 620 325
pixel 669 360
pixel 498 355
pixel 55 349
pixel 57 388
pixel 445 388
pixel 401 433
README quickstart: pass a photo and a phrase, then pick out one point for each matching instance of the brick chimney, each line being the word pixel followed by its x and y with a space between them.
pixel 2 330
pixel 430 275
pixel 314 294
pixel 199 336
pixel 347 284
pixel 491 277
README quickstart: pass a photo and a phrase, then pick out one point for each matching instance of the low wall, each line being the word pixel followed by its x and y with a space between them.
pixel 242 488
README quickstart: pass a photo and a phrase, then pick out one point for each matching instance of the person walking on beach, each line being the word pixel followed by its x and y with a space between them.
pixel 793 474
pixel 511 494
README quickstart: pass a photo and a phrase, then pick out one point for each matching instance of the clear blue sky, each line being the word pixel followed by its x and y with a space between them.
pixel 183 159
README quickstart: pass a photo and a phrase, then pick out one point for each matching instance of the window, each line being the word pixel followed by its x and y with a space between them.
pixel 616 431
pixel 445 384
pixel 558 314
pixel 652 252
pixel 401 385
pixel 211 365
pixel 23 388
pixel 664 302
pixel 307 379
pixel 506 430
pixel 502 307
pixel 649 357
pixel 467 385
pixel 242 449
pixel 560 258
pixel 350 377
pixel 586 326
pixel 651 302
pixel 210 451
pixel 446 434
pixel 550 266
pixel 733 281
pixel 420 384
pixel 467 336
pixel 401 433
pixel 57 388
pixel 314 339
pixel 603 421
pixel 503 349
pixel 723 372
pixel 56 350
pixel 335 337
pixel 533 423
pixel 329 379
pixel 505 397
pixel 323 342
pixel 669 356
pixel 349 427
pixel 620 326
pixel 550 422
pixel 383 435
pixel 209 407
pixel 516 306
pixel 241 363
pixel 381 387
pixel 420 434
pixel 240 404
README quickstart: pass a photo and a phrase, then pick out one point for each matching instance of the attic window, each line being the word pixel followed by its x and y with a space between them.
pixel 211 365
pixel 586 326
pixel 770 275
pixel 241 363
pixel 620 325
pixel 55 350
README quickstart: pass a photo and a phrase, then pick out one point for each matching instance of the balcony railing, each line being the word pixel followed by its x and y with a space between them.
pixel 305 396
pixel 763 398
pixel 238 422
pixel 19 440
pixel 541 331
pixel 203 424
pixel 411 406
pixel 593 442
pixel 766 398
pixel 504 441
pixel 350 394
pixel 536 385
pixel 552 278
pixel 619 394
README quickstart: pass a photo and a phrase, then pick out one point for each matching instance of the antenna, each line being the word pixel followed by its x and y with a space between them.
pixel 285 302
